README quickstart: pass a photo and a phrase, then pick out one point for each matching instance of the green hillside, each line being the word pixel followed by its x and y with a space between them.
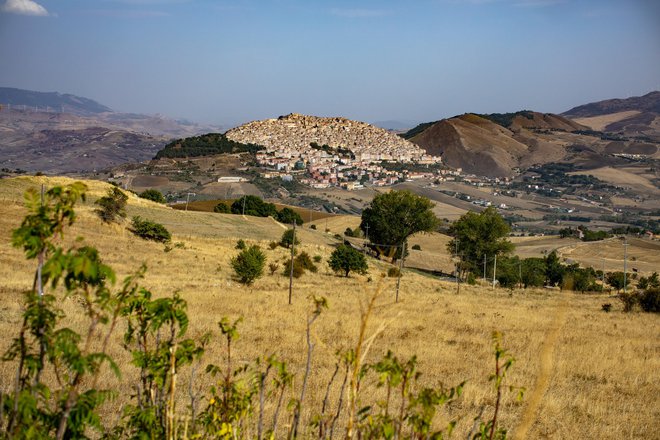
pixel 205 145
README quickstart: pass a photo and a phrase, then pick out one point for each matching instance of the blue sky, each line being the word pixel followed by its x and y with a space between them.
pixel 230 61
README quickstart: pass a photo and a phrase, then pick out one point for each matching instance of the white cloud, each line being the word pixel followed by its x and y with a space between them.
pixel 24 7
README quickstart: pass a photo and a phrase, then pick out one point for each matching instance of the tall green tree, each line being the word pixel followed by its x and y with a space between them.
pixel 394 216
pixel 478 235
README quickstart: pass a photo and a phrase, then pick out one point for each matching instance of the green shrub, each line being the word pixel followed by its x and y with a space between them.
pixel 287 238
pixel 150 230
pixel 313 227
pixel 317 258
pixel 298 269
pixel 222 208
pixel 416 247
pixel 649 300
pixel 112 205
pixel 273 244
pixel 306 262
pixel 152 194
pixel 240 244
pixel 249 264
pixel 288 216
pixel 393 272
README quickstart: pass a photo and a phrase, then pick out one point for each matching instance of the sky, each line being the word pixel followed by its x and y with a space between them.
pixel 227 62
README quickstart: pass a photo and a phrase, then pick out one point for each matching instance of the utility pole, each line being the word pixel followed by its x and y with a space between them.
pixel 494 271
pixel 625 263
pixel 520 273
pixel 188 199
pixel 293 245
pixel 458 278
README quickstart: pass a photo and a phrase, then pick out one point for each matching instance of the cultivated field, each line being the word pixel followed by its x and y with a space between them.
pixel 588 374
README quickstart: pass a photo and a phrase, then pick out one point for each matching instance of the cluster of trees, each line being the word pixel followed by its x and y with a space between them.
pixel 584 234
pixel 255 206
pixel 205 145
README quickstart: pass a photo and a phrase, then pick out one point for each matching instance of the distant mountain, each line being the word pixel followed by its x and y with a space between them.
pixel 53 133
pixel 57 102
pixel 394 125
pixel 637 116
pixel 496 145
pixel 647 103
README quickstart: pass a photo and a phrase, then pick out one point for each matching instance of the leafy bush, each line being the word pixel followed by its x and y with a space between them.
pixel 317 258
pixel 253 205
pixel 393 272
pixel 649 300
pixel 273 268
pixel 288 216
pixel 222 208
pixel 249 264
pixel 287 238
pixel 272 245
pixel 112 205
pixel 306 262
pixel 150 230
pixel 346 259
pixel 416 247
pixel 152 194
pixel 298 269
pixel 240 244
pixel 313 227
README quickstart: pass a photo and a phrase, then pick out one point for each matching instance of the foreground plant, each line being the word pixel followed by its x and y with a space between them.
pixel 68 407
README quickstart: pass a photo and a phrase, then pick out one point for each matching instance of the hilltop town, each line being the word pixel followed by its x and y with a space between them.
pixel 331 151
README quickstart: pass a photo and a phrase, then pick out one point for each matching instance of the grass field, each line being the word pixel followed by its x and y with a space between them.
pixel 588 374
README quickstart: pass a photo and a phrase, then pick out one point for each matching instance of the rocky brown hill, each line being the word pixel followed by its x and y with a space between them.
pixel 494 145
pixel 295 132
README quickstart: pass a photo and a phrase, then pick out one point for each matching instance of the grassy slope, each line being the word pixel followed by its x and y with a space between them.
pixel 601 369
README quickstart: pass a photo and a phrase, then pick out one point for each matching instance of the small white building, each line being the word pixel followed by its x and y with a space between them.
pixel 231 179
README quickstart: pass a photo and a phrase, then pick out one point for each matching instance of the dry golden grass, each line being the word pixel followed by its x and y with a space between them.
pixel 600 122
pixel 591 374
pixel 623 178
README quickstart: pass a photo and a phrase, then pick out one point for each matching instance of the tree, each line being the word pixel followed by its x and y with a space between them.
pixel 249 264
pixel 288 216
pixel 287 238
pixel 478 235
pixel 346 259
pixel 554 270
pixel 152 194
pixel 112 205
pixel 253 205
pixel 394 216
pixel 615 279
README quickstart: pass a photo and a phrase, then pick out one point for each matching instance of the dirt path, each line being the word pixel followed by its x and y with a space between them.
pixel 545 370
pixel 278 223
